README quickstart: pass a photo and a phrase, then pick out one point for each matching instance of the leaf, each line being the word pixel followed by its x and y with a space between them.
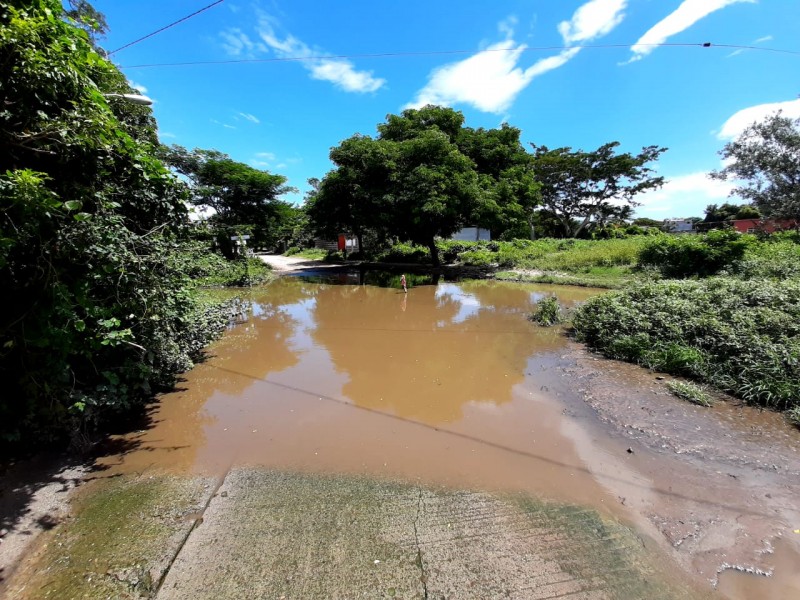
pixel 81 216
pixel 73 204
pixel 80 325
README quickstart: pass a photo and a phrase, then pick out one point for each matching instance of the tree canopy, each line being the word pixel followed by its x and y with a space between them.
pixel 95 316
pixel 424 176
pixel 766 159
pixel 578 186
pixel 242 196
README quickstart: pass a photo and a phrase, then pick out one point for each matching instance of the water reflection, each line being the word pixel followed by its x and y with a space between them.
pixel 453 355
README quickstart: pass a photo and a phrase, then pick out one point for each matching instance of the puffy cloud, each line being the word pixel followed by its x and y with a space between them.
pixel 342 73
pixel 684 196
pixel 491 79
pixel 592 20
pixel 741 120
pixel 686 15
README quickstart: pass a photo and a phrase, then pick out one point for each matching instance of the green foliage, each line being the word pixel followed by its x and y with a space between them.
pixel 740 336
pixel 245 199
pixel 96 317
pixel 578 187
pixel 405 253
pixel 766 158
pixel 690 392
pixel 793 414
pixel 744 255
pixel 548 312
pixel 695 255
pixel 207 268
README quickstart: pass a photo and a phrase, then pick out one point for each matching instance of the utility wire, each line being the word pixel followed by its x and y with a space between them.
pixel 443 52
pixel 157 31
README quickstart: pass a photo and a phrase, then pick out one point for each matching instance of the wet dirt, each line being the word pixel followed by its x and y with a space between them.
pixel 451 385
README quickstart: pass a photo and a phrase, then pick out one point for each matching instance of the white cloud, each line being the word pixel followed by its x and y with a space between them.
pixel 507 25
pixel 739 51
pixel 249 117
pixel 684 196
pixel 237 43
pixel 266 155
pixel 341 73
pixel 338 71
pixel 166 134
pixel 491 79
pixel 686 15
pixel 592 20
pixel 761 40
pixel 740 121
pixel 259 163
pixel 137 86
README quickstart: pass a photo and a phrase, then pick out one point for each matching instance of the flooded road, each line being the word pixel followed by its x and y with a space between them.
pixel 448 385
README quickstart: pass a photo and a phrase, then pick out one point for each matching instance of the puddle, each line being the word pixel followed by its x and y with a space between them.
pixel 448 384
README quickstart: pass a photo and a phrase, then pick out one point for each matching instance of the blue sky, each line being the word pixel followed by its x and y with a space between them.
pixel 284 116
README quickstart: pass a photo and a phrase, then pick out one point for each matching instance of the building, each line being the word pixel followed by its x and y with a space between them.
pixel 763 225
pixel 680 225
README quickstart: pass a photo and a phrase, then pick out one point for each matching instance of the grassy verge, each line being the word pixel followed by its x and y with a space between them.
pixel 207 268
pixel 118 544
pixel 740 336
pixel 690 392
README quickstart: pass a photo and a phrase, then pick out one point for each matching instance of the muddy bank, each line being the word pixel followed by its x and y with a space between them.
pixel 733 473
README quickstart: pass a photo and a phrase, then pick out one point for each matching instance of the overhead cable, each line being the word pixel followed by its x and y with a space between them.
pixel 157 31
pixel 444 52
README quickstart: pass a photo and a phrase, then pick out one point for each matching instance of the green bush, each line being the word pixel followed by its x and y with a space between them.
pixel 681 256
pixel 740 336
pixel 405 253
pixel 548 312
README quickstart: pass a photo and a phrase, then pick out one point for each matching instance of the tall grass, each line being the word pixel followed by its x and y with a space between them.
pixel 741 336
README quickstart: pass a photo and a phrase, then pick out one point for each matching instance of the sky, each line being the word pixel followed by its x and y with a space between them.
pixel 529 63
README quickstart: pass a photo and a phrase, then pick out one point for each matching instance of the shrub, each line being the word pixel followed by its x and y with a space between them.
pixel 548 312
pixel 682 256
pixel 740 336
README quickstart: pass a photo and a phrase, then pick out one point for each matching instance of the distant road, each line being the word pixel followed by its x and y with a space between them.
pixel 289 264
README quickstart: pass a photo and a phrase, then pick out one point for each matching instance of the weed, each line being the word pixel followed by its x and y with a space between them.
pixel 794 416
pixel 691 392
pixel 548 312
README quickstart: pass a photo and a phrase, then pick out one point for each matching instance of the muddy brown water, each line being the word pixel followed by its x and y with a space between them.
pixel 449 384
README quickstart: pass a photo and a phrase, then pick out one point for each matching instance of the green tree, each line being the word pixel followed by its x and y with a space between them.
pixel 766 157
pixel 351 198
pixel 94 317
pixel 244 198
pixel 647 222
pixel 578 186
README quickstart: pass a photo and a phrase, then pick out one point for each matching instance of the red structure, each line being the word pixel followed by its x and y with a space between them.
pixel 764 225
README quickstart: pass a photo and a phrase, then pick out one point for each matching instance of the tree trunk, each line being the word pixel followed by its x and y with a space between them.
pixel 360 238
pixel 434 252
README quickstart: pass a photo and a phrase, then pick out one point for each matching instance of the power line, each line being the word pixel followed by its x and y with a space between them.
pixel 157 31
pixel 446 52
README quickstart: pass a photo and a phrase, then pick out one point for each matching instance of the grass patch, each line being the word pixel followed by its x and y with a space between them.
pixel 742 337
pixel 310 253
pixel 118 543
pixel 793 415
pixel 689 391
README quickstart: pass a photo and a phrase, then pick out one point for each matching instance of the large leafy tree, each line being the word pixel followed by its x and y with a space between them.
pixel 352 197
pixel 578 187
pixel 94 315
pixel 243 197
pixel 427 175
pixel 766 159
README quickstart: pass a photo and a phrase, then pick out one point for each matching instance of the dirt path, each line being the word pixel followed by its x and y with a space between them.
pixel 293 264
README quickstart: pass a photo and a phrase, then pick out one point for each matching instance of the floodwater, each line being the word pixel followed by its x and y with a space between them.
pixel 449 384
